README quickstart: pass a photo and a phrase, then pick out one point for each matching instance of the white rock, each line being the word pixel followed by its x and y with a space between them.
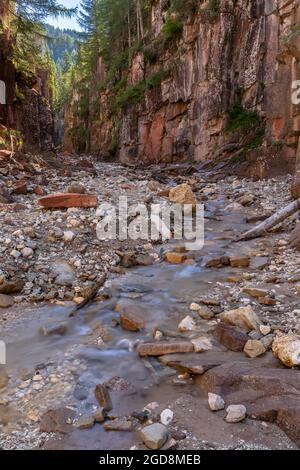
pixel 202 344
pixel 27 252
pixel 216 402
pixel 69 236
pixel 287 349
pixel 187 324
pixel 265 330
pixel 195 307
pixel 166 416
pixel 235 413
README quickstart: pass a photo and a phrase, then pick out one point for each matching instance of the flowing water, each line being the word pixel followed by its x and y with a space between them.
pixel 164 291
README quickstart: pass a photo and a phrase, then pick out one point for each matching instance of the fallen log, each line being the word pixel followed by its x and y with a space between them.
pixel 91 297
pixel 271 222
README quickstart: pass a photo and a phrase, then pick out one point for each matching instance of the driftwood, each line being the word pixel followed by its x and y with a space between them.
pixel 90 297
pixel 271 222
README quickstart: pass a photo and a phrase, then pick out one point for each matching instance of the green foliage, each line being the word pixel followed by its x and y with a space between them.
pixel 133 94
pixel 279 144
pixel 172 28
pixel 241 118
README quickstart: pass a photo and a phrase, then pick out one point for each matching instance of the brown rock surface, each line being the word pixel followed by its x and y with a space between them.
pixel 161 348
pixel 68 200
pixel 58 420
pixel 230 337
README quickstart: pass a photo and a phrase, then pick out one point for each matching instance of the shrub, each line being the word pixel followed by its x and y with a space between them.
pixel 241 118
pixel 172 29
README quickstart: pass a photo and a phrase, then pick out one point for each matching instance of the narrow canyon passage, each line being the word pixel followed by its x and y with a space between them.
pixel 123 333
pixel 55 362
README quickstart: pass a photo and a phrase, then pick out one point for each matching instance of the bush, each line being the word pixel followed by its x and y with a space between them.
pixel 133 94
pixel 172 29
pixel 241 118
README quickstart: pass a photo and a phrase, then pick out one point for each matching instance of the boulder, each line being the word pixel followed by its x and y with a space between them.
pixel 6 301
pixel 230 337
pixel 236 413
pixel 256 292
pixel 61 201
pixel 76 188
pixel 187 324
pixel 243 317
pixel 164 347
pixel 287 349
pixel 118 424
pixel 63 272
pixel 242 261
pixel 132 316
pixel 215 402
pixel 254 348
pixel 85 422
pixel 175 258
pixel 154 436
pixel 269 392
pixel 57 420
pixel 12 287
pixel 182 194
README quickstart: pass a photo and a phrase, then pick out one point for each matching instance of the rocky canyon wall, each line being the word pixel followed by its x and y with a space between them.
pixel 28 110
pixel 222 89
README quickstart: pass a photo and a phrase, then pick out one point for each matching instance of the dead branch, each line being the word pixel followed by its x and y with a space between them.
pixel 271 222
pixel 90 297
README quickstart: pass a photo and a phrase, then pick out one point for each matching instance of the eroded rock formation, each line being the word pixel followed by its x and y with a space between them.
pixel 238 62
pixel 29 111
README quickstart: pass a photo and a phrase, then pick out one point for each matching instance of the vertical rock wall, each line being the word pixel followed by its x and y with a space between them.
pixel 248 53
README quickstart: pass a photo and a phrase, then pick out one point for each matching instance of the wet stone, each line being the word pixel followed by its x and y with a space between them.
pixel 85 422
pixel 154 436
pixel 103 397
pixel 230 337
pixel 118 424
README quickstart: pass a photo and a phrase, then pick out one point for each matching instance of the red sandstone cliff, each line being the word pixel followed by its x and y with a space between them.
pixel 250 52
pixel 30 112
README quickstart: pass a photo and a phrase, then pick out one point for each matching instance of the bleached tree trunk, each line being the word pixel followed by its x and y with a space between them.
pixel 271 222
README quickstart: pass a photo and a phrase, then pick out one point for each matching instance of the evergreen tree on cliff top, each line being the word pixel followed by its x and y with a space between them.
pixel 37 11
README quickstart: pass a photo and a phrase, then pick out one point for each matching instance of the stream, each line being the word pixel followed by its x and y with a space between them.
pixel 164 292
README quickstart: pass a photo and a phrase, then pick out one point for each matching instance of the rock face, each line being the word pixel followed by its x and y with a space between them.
pixel 287 349
pixel 32 114
pixel 244 54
